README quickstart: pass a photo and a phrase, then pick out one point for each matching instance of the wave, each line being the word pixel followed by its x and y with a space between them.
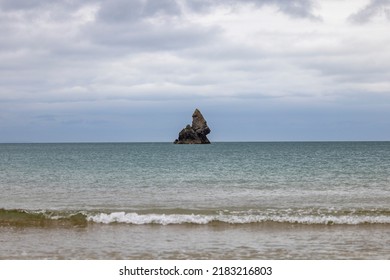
pixel 48 218
pixel 245 217
pixel 41 218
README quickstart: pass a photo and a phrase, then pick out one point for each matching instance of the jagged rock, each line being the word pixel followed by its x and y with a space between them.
pixel 195 134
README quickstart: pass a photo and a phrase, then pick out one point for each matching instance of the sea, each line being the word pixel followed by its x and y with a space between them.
pixel 233 200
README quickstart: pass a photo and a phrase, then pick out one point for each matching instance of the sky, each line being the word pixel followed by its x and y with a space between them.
pixel 135 70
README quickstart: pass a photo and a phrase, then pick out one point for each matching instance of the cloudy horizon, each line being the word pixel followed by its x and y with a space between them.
pixel 134 70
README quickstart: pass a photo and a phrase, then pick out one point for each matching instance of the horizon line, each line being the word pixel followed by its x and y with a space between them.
pixel 171 142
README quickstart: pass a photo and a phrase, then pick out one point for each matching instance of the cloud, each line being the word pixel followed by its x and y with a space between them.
pixel 149 24
pixel 154 37
pixel 374 8
pixel 297 8
pixel 125 10
pixel 144 49
pixel 21 4
pixel 128 11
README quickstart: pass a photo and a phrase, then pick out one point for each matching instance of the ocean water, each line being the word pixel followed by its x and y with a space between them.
pixel 282 200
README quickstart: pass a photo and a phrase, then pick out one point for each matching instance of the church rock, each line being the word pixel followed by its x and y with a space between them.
pixel 195 133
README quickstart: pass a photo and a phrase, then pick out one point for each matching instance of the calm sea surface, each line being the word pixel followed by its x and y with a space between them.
pixel 287 200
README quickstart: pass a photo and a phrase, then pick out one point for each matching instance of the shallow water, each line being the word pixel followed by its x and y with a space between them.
pixel 250 241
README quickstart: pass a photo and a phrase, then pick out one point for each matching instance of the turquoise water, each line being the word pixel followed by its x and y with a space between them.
pixel 236 191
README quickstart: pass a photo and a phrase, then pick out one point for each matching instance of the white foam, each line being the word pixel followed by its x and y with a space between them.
pixel 134 218
pixel 165 219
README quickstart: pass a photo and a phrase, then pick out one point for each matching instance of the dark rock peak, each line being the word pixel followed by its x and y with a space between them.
pixel 195 134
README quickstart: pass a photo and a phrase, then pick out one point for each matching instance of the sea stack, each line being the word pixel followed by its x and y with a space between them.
pixel 195 134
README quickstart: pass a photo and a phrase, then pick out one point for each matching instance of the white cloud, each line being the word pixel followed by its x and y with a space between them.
pixel 374 10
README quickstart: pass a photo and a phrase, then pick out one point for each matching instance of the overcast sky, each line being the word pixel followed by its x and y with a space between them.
pixel 135 70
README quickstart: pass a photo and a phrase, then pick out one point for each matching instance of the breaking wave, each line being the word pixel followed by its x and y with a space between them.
pixel 47 218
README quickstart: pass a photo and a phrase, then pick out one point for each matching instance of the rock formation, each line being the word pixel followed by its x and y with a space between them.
pixel 195 134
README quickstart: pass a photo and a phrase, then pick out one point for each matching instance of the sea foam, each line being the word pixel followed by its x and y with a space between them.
pixel 137 219
pixel 168 219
